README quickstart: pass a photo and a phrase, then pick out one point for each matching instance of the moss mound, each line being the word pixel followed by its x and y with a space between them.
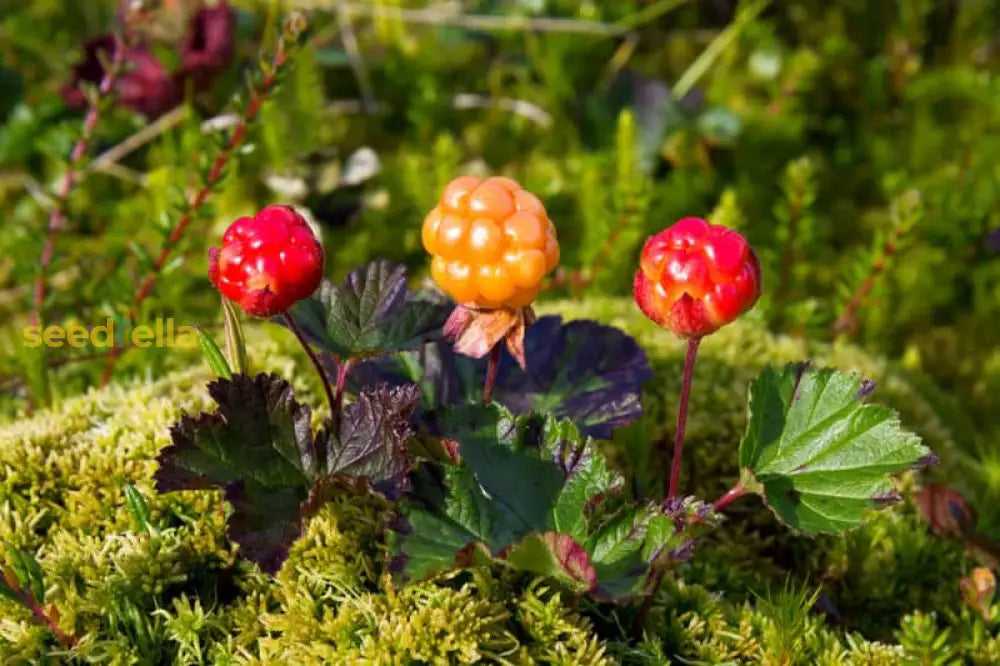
pixel 180 595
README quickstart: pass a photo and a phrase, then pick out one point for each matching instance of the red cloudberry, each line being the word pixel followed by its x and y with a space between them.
pixel 267 262
pixel 491 241
pixel 695 277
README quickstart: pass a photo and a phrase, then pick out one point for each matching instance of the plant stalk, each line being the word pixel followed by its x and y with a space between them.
pixel 675 463
pixel 258 95
pixel 28 599
pixel 343 369
pixel 731 495
pixel 105 91
pixel 491 374
pixel 319 452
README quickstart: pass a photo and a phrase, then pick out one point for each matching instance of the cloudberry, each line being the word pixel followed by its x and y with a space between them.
pixel 267 262
pixel 491 242
pixel 696 277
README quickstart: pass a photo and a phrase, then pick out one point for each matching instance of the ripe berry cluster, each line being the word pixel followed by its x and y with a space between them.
pixel 491 241
pixel 695 277
pixel 267 262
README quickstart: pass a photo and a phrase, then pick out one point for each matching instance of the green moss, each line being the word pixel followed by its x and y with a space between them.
pixel 181 595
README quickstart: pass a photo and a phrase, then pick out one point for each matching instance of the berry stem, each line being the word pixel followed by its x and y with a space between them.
pixel 647 601
pixel 335 402
pixel 675 463
pixel 491 374
pixel 58 213
pixel 343 369
pixel 731 495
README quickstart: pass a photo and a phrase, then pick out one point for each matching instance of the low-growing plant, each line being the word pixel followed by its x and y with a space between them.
pixel 499 465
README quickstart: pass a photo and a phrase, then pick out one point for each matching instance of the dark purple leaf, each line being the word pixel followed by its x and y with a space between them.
pixel 372 437
pixel 583 371
pixel 258 447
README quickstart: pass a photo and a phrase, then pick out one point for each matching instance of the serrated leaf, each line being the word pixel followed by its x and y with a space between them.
pixel 259 432
pixel 557 556
pixel 452 513
pixel 371 312
pixel 372 437
pixel 258 447
pixel 583 371
pixel 822 456
pixel 526 491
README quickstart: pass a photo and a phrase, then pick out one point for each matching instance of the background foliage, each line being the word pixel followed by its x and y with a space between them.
pixel 854 143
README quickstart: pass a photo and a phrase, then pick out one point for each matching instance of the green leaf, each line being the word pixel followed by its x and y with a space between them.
pixel 821 456
pixel 236 347
pixel 529 492
pixel 557 556
pixel 370 313
pixel 453 512
pixel 258 447
pixel 213 355
pixel 522 486
pixel 137 507
pixel 28 572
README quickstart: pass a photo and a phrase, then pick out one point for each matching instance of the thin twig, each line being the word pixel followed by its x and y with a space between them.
pixel 905 212
pixel 343 370
pixel 28 599
pixel 58 212
pixel 731 495
pixel 135 141
pixel 258 95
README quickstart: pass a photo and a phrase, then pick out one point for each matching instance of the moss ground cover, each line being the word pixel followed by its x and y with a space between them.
pixel 851 145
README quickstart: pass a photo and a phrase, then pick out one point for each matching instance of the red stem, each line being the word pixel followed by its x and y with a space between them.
pixel 258 95
pixel 58 213
pixel 731 495
pixel 675 463
pixel 491 374
pixel 343 369
pixel 29 600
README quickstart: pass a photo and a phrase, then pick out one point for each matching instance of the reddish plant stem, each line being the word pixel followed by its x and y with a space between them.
pixel 675 463
pixel 847 322
pixel 647 601
pixel 258 95
pixel 731 495
pixel 343 369
pixel 58 212
pixel 318 451
pixel 28 599
pixel 491 374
